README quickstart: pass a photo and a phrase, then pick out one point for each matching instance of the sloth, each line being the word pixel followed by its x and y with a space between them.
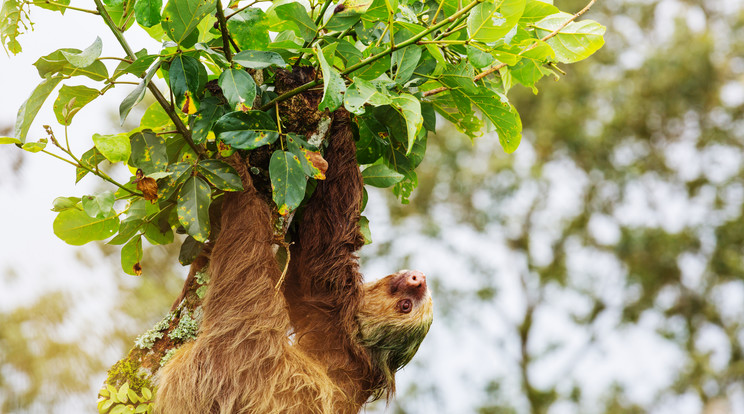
pixel 326 342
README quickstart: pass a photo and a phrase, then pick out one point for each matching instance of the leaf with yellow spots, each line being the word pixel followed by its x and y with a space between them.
pixel 313 164
pixel 287 181
pixel 148 152
pixel 181 17
pixel 201 124
pixel 192 207
pixel 131 255
pixel 168 186
pixel 220 174
pixel 246 130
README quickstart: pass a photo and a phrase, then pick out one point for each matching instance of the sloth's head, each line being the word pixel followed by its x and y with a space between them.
pixel 394 318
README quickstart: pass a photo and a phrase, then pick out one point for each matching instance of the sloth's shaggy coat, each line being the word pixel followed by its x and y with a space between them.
pixel 243 360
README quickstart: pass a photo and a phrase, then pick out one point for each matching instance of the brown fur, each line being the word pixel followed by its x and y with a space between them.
pixel 339 355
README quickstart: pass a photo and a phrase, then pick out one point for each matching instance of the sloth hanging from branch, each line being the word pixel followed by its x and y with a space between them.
pixel 246 337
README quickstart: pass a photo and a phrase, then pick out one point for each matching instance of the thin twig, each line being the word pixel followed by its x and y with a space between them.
pixel 372 58
pixel 54 3
pixel 530 47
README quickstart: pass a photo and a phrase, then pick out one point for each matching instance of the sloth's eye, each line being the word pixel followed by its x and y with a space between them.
pixel 405 306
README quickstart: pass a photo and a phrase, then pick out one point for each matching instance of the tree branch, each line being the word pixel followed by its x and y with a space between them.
pixel 225 34
pixel 151 86
pixel 373 58
pixel 530 47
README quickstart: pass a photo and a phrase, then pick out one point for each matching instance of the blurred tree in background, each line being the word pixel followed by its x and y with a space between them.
pixel 599 269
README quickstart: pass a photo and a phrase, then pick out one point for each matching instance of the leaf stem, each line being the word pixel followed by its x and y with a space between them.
pixel 527 49
pixel 151 86
pixel 54 3
pixel 98 173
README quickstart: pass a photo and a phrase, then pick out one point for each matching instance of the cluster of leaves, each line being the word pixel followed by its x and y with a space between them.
pixel 125 400
pixel 393 64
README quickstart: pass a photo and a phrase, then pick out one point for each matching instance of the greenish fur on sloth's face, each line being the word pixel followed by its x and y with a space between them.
pixel 395 317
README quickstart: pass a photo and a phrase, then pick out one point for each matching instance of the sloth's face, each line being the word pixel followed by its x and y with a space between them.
pixel 395 317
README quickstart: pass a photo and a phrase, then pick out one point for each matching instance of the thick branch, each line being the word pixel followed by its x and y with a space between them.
pixel 225 34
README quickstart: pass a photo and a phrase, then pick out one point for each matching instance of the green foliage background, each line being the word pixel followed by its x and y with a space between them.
pixel 619 216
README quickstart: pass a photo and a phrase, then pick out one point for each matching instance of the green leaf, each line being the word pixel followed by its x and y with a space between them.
pixel 131 255
pixel 136 95
pixel 362 92
pixel 181 17
pixel 210 110
pixel 239 89
pixel 56 62
pixel 146 393
pixel 410 108
pixel 190 250
pixel 246 130
pixel 139 66
pixel 121 394
pixel 35 146
pixel 147 12
pixel 381 176
pixel 250 29
pixel 502 115
pixel 86 57
pixel 371 139
pixel 9 140
pixel 257 59
pixel 333 85
pixel 220 174
pixel 99 205
pixel 160 233
pixel 65 108
pixel 479 58
pixel 114 147
pixel 364 228
pixel 531 68
pixel 576 41
pixel 536 10
pixel 216 57
pixel 90 159
pixel 489 22
pixel 405 61
pixel 156 118
pixel 184 82
pixel 10 25
pixel 287 181
pixel 295 13
pixel 193 208
pixel 65 203
pixel 28 110
pixel 375 69
pixel 76 227
pixel 181 171
pixel 148 152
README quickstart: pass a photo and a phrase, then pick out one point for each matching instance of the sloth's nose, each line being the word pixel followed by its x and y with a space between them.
pixel 414 278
